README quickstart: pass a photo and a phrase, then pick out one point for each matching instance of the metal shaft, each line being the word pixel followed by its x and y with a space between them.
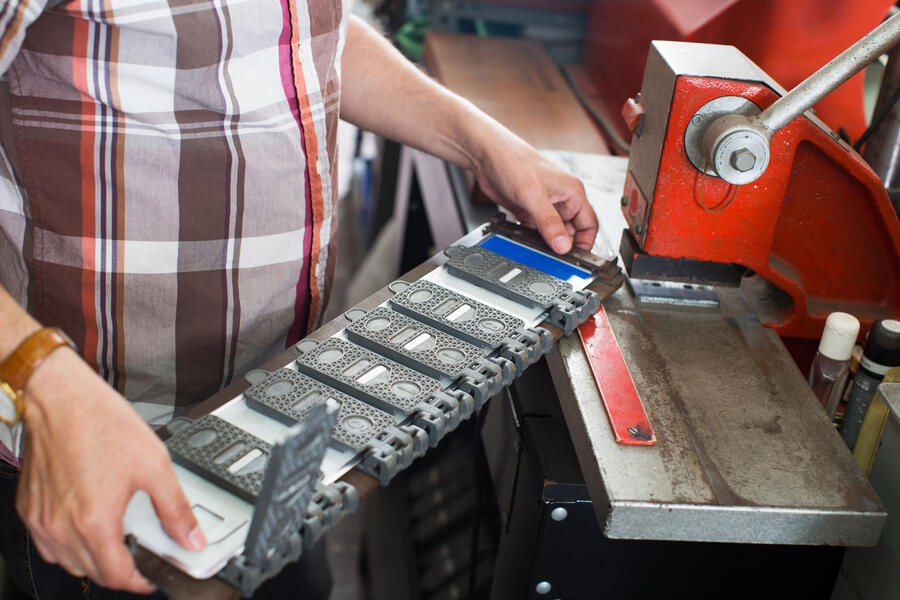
pixel 825 80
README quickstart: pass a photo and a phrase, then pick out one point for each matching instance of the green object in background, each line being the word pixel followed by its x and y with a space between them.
pixel 411 37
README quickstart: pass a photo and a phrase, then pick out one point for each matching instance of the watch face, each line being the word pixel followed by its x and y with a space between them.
pixel 7 406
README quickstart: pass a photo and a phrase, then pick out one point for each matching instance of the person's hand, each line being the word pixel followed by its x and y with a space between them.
pixel 537 192
pixel 86 453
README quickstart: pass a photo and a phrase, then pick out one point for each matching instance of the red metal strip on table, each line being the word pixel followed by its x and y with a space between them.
pixel 617 391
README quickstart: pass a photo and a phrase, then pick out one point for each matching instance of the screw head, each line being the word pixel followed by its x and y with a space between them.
pixel 559 513
pixel 743 160
pixel 639 229
pixel 624 200
pixel 543 587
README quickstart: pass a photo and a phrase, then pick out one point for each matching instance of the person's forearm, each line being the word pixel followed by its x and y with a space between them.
pixel 385 93
pixel 388 95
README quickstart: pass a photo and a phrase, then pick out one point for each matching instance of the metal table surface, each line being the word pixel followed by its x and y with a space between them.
pixel 744 454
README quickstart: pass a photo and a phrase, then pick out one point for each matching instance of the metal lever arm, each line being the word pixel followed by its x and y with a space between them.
pixel 824 81
pixel 733 136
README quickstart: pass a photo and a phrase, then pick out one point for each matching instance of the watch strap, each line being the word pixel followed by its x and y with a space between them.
pixel 29 355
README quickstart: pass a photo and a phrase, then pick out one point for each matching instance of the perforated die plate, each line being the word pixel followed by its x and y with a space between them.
pixel 213 448
pixel 464 317
pixel 397 336
pixel 508 278
pixel 289 396
pixel 355 370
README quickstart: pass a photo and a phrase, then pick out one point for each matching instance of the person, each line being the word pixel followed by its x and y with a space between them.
pixel 168 202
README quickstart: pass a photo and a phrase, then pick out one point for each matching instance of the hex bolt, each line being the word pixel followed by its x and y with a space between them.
pixel 543 587
pixel 743 160
pixel 559 513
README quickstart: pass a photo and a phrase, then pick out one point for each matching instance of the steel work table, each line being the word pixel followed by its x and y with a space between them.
pixel 745 452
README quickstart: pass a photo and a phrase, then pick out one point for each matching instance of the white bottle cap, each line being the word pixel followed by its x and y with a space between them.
pixel 839 336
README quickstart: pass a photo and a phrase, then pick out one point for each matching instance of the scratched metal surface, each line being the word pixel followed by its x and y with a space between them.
pixel 745 453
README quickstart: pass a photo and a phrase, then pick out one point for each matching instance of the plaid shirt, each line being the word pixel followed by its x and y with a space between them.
pixel 166 192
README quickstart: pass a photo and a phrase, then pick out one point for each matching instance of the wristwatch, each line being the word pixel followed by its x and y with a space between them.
pixel 18 367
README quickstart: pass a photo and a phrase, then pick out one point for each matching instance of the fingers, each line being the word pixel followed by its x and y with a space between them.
pixel 523 217
pixel 107 560
pixel 561 214
pixel 44 550
pixel 173 508
pixel 116 569
pixel 551 226
pixel 578 214
pixel 59 544
pixel 585 226
pixel 77 563
pixel 100 547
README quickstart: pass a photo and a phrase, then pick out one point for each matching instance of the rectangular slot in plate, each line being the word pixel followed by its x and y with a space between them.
pixel 288 396
pixel 212 447
pixel 340 363
pixel 445 309
pixel 492 271
pixel 402 338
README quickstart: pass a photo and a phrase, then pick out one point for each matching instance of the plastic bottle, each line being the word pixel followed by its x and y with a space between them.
pixel 830 367
pixel 881 353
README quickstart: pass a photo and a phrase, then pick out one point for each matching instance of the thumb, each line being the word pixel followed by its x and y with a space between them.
pixel 174 510
pixel 552 228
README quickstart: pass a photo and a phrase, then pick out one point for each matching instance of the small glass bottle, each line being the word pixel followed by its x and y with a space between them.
pixel 829 370
pixel 881 353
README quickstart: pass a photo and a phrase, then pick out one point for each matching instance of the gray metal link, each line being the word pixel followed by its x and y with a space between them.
pixel 506 277
pixel 526 347
pixel 573 308
pixel 342 364
pixel 443 413
pixel 393 334
pixel 393 451
pixel 458 315
pixel 329 504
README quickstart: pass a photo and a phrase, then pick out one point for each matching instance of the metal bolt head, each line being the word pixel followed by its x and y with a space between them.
pixel 543 587
pixel 638 229
pixel 559 513
pixel 743 160
pixel 624 200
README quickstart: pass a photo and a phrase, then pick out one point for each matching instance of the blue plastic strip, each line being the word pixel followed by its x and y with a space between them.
pixel 534 259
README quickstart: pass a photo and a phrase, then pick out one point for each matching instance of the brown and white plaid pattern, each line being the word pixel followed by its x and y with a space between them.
pixel 166 191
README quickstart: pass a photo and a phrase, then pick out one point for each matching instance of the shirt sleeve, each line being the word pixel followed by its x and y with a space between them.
pixel 15 17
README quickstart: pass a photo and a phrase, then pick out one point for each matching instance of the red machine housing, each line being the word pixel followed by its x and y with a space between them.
pixel 787 39
pixel 818 224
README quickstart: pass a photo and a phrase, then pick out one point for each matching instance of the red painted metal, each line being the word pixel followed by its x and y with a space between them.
pixel 817 224
pixel 620 398
pixel 789 40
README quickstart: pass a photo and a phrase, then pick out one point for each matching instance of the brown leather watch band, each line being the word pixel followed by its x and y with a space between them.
pixel 28 356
